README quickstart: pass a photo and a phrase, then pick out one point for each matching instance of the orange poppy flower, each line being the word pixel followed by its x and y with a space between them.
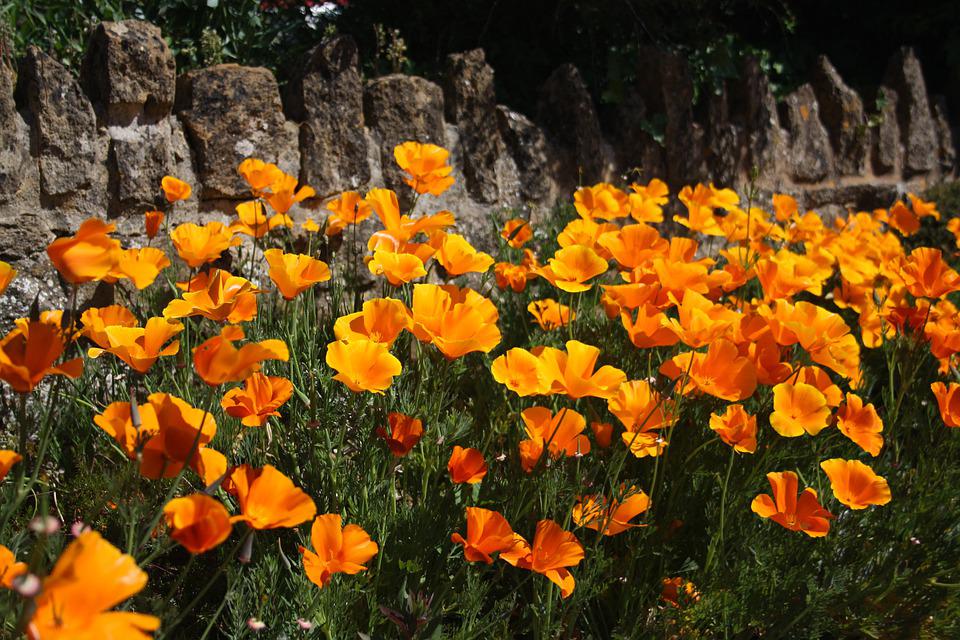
pixel 488 532
pixel 634 245
pixel 784 274
pixel 552 551
pixel 362 365
pixel 572 372
pixel 786 509
pixel 380 320
pixel 948 401
pixel 860 423
pixel 823 334
pixel 198 245
pixel 926 275
pixel 179 431
pixel 701 322
pixel 550 314
pixel 139 347
pixel 284 194
pixel 198 522
pixel 398 268
pixel 720 372
pixel 141 265
pixel 259 399
pixel 677 591
pixel 594 512
pixel 401 228
pixel 700 203
pixel 310 226
pixel 295 273
pixel 426 164
pixel 349 208
pixel 513 276
pixel 639 407
pixel 516 232
pixel 268 499
pixel 571 267
pixel 28 354
pixel 817 377
pixel 88 255
pixel 736 428
pixel 901 218
pixel 216 295
pixel 8 458
pixel 646 202
pixel 253 221
pixel 90 578
pixel 152 221
pixel 649 328
pixel 855 484
pixel 336 549
pixel 603 201
pixel 784 207
pixel 217 360
pixel 466 466
pixel 405 432
pixel 10 568
pixel 521 372
pixel 259 175
pixel 457 256
pixel 456 320
pixel 586 233
pixel 560 434
pixel 175 189
pixel 211 466
pixel 602 433
pixel 95 321
pixel 799 408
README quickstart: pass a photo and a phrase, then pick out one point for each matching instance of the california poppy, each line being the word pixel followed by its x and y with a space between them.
pixel 216 295
pixel 8 458
pixel 362 365
pixel 268 499
pixel 88 255
pixel 571 372
pixel 488 532
pixel 198 522
pixel 948 401
pixel 570 268
pixel 646 201
pixel 860 423
pixel 217 360
pixel 634 245
pixel 178 429
pixel 736 428
pixel 152 221
pixel 457 256
pixel 611 517
pixel 28 354
pixel 397 268
pixel 639 407
pixel 466 465
pixel 560 434
pixel 855 484
pixel 196 245
pixel 552 552
pixel 677 591
pixel 786 509
pixel 602 433
pixel 259 175
pixel 405 432
pixel 550 314
pixel 426 164
pixel 720 372
pixel 455 320
pixel 141 266
pixel 516 232
pixel 513 276
pixel 284 194
pixel 295 273
pixel 10 568
pixel 7 274
pixel 175 189
pixel 926 275
pixel 346 209
pixel 260 398
pixel 603 201
pixel 379 320
pixel 139 347
pixel 521 372
pixel 252 220
pixel 797 409
pixel 336 549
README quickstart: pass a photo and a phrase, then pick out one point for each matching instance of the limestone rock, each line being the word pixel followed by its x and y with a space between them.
pixel 841 111
pixel 917 129
pixel 632 133
pixel 528 146
pixel 231 113
pixel 15 161
pixel 810 152
pixel 756 109
pixel 886 137
pixel 566 112
pixel 946 148
pixel 400 108
pixel 63 125
pixel 724 142
pixel 327 98
pixel 140 155
pixel 471 104
pixel 128 70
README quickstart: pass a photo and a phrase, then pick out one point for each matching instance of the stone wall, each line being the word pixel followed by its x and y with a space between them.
pixel 99 144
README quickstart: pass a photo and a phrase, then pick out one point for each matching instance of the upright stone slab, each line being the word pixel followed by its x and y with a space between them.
pixel 62 123
pixel 528 147
pixel 635 147
pixel 326 97
pixel 231 113
pixel 917 129
pixel 471 104
pixel 886 153
pixel 724 147
pixel 810 152
pixel 753 104
pixel 400 108
pixel 947 151
pixel 14 138
pixel 841 111
pixel 566 112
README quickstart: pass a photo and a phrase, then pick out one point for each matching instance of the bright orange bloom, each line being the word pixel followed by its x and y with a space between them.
pixel 426 164
pixel 572 371
pixel 948 400
pixel 405 432
pixel 720 372
pixel 639 407
pixel 398 268
pixel 488 532
pixel 901 218
pixel 817 377
pixel 926 275
pixel 612 519
pixel 646 202
pixel 603 201
pixel 284 194
pixel 457 256
pixel 456 320
pixel 362 365
pixel 336 549
pixel 571 267
pixel 8 458
pixel 855 484
pixel 677 591
pixel 88 255
pixel 650 327
pixel 786 509
pixel 349 208
pixel 550 314
pixel 860 423
pixel 586 233
pixel 466 466
pixel 736 428
pixel 560 434
pixel 701 322
pixel 797 409
pixel 28 354
pixel 175 189
pixel 198 245
pixel 514 276
pixel 602 433
pixel 152 221
pixel 198 522
pixel 259 175
pixel 142 266
pixel 521 372
pixel 175 432
pixel 516 232
pixel 823 334
pixel 253 221
pixel 259 399
pixel 139 347
pixel 10 568
pixel 380 320
pixel 90 577
pixel 700 203
pixel 95 321
pixel 634 245
pixel 216 295
pixel 217 360
pixel 401 228
pixel 295 273
pixel 552 551
pixel 268 499
pixel 785 274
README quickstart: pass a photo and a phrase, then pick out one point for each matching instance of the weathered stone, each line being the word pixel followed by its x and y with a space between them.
pixel 14 138
pixel 140 155
pixel 566 112
pixel 886 138
pixel 528 146
pixel 723 150
pixel 63 125
pixel 754 107
pixel 231 113
pixel 401 108
pixel 327 98
pixel 471 104
pixel 917 130
pixel 810 152
pixel 841 111
pixel 128 70
pixel 859 197
pixel 632 131
pixel 946 148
